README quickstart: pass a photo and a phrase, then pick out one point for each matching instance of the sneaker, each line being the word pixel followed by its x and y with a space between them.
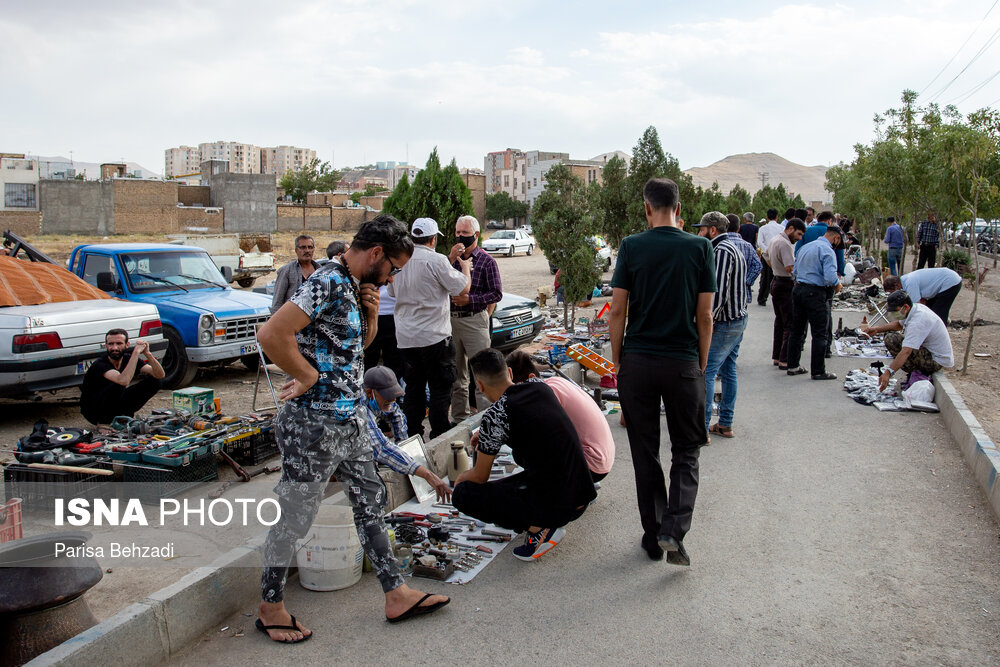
pixel 675 551
pixel 538 544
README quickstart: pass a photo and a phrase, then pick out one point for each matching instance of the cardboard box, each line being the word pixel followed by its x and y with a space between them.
pixel 196 400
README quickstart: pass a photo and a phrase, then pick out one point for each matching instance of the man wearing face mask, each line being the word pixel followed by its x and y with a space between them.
pixel 924 346
pixel 470 312
pixel 381 391
pixel 107 389
pixel 816 282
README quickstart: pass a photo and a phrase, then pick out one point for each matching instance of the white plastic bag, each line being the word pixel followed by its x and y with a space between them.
pixel 849 274
pixel 922 390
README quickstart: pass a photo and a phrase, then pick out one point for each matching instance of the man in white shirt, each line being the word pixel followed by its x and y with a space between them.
pixel 423 327
pixel 924 346
pixel 764 237
pixel 935 288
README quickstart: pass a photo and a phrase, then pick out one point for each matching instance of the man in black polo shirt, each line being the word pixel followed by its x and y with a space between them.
pixel 107 391
pixel 555 486
pixel 665 281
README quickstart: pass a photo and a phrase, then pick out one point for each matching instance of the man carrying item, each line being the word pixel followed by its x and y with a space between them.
pixel 924 346
pixel 555 486
pixel 815 282
pixel 317 338
pixel 423 327
pixel 781 255
pixel 895 238
pixel 928 240
pixel 381 391
pixel 107 390
pixel 470 312
pixel 665 280
pixel 729 315
pixel 935 288
pixel 293 274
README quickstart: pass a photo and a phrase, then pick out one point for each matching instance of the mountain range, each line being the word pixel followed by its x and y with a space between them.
pixel 93 169
pixel 746 169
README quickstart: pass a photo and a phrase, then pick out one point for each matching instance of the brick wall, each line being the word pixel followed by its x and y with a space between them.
pixel 477 184
pixel 198 216
pixel 350 219
pixel 329 198
pixel 375 201
pixel 144 207
pixel 23 223
pixel 296 217
pixel 193 195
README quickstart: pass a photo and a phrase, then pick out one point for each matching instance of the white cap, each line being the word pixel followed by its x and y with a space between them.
pixel 424 227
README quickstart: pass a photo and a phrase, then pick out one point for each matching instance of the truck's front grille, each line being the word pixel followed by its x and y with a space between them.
pixel 241 328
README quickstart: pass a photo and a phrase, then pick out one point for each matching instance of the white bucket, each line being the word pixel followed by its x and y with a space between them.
pixel 330 556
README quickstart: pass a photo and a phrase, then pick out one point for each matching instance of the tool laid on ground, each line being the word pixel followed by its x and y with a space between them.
pixel 237 468
pixel 589 359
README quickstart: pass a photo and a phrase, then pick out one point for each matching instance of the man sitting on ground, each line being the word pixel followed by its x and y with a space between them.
pixel 590 423
pixel 382 390
pixel 107 391
pixel 555 486
pixel 924 346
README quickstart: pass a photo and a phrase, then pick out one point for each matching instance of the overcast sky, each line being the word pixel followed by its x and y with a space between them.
pixel 361 81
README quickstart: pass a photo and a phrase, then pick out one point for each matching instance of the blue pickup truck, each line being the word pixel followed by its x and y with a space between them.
pixel 204 320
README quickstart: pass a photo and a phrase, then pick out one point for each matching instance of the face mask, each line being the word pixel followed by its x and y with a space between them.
pixel 896 316
pixel 467 241
pixel 375 407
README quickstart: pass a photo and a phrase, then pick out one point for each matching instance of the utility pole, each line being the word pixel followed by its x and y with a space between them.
pixel 763 176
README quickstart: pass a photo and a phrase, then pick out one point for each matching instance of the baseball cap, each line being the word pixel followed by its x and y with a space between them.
pixel 713 219
pixel 896 300
pixel 383 380
pixel 424 227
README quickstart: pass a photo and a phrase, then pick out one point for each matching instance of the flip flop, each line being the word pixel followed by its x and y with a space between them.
pixel 294 626
pixel 417 610
pixel 724 431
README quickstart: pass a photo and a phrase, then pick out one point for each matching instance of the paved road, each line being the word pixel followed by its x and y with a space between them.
pixel 825 532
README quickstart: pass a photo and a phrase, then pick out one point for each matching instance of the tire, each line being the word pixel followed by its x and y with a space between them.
pixel 245 282
pixel 531 249
pixel 179 371
pixel 251 361
pixel 510 250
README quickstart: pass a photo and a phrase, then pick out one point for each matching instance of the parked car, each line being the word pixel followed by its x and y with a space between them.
pixel 496 224
pixel 963 237
pixel 50 346
pixel 989 239
pixel 602 255
pixel 204 320
pixel 227 250
pixel 516 321
pixel 527 229
pixel 509 241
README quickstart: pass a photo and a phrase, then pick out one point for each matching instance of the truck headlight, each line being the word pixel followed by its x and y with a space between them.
pixel 206 329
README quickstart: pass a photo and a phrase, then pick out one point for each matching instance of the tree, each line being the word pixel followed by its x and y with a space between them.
pixel 501 206
pixel 368 192
pixel 738 201
pixel 313 177
pixel 562 224
pixel 436 192
pixel 610 202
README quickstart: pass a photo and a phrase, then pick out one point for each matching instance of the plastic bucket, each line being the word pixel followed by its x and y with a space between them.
pixel 330 556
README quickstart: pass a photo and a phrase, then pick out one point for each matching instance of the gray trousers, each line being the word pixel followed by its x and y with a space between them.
pixel 471 335
pixel 313 447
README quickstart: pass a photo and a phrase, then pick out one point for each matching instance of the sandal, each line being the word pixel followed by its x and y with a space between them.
pixel 724 431
pixel 294 626
pixel 417 610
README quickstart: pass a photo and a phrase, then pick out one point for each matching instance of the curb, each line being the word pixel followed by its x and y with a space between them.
pixel 150 631
pixel 979 450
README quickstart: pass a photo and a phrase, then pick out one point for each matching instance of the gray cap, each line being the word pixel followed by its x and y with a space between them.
pixel 896 300
pixel 714 219
pixel 383 381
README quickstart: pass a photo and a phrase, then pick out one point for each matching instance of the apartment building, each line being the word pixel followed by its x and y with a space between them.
pixel 494 166
pixel 242 158
pixel 19 182
pixel 181 161
pixel 280 159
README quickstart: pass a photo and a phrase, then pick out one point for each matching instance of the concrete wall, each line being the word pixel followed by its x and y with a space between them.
pixel 349 220
pixel 193 195
pixel 248 199
pixel 144 207
pixel 330 198
pixel 77 207
pixel 298 217
pixel 376 201
pixel 23 223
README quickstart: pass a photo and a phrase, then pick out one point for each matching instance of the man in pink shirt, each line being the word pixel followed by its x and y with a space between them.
pixel 590 423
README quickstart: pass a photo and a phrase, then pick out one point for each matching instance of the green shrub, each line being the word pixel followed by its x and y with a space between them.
pixel 953 259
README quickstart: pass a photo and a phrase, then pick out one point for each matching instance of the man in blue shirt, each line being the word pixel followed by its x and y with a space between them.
pixel 895 238
pixel 815 282
pixel 816 231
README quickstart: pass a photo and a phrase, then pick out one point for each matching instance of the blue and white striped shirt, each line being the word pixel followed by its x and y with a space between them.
pixel 730 302
pixel 385 450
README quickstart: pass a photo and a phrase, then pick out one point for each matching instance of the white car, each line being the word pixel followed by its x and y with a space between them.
pixel 508 242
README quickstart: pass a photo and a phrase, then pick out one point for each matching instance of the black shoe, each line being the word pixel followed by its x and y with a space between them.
pixel 829 355
pixel 651 547
pixel 676 553
pixel 825 376
pixel 796 371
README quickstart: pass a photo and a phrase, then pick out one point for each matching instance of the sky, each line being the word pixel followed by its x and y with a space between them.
pixel 361 81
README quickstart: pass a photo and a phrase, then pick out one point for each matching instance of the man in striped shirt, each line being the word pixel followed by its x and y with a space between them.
pixel 729 312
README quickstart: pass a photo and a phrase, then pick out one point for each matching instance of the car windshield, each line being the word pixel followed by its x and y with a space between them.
pixel 168 271
pixel 503 235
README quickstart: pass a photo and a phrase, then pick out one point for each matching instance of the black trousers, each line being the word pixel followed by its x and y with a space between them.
pixel 781 302
pixel 941 304
pixel 384 347
pixel 431 367
pixel 766 276
pixel 927 255
pixel 118 401
pixel 511 503
pixel 809 306
pixel 644 383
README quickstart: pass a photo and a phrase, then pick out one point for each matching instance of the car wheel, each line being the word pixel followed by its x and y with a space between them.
pixel 251 361
pixel 178 370
pixel 531 249
pixel 510 250
pixel 245 282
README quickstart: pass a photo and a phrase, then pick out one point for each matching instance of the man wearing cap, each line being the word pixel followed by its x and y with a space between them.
pixel 924 346
pixel 816 281
pixel 423 327
pixel 470 312
pixel 382 390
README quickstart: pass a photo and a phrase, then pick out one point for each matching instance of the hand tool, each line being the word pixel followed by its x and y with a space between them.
pixel 237 468
pixel 89 471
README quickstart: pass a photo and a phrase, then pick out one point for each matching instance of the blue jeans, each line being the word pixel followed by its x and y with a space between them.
pixel 895 259
pixel 725 347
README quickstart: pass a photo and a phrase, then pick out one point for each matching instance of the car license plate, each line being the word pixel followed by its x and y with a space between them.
pixel 520 331
pixel 248 349
pixel 82 367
